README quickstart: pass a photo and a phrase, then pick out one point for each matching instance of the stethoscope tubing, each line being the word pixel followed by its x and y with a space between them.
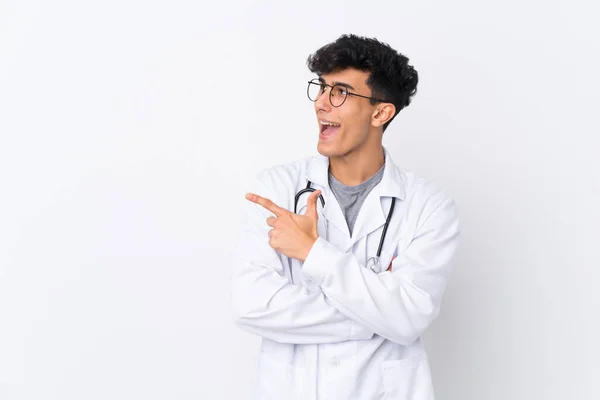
pixel 306 190
pixel 387 220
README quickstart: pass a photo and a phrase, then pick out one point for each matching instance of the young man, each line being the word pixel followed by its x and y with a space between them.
pixel 342 289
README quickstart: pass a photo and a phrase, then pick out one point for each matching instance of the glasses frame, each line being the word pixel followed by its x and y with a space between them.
pixel 322 84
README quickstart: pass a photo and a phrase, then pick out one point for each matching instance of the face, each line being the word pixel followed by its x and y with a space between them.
pixel 345 129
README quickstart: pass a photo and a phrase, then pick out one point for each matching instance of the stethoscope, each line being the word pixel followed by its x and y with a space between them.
pixel 372 261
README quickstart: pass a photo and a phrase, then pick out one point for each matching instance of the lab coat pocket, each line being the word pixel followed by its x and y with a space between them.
pixel 399 378
pixel 277 379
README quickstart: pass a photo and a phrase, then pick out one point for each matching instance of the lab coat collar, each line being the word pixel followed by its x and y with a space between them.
pixel 372 214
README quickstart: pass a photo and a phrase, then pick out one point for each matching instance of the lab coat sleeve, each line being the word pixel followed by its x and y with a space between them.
pixel 265 303
pixel 398 305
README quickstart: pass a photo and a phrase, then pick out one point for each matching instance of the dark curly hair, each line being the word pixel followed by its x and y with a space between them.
pixel 391 77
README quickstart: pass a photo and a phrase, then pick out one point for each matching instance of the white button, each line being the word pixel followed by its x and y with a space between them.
pixel 335 362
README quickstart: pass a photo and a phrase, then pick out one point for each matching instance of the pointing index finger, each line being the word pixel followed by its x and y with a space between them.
pixel 266 203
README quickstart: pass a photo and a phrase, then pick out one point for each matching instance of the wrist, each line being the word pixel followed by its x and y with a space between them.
pixel 308 247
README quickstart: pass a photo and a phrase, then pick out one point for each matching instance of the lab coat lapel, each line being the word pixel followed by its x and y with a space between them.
pixel 335 215
pixel 370 217
pixel 317 172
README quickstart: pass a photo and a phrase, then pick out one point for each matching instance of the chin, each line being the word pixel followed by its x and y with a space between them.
pixel 327 150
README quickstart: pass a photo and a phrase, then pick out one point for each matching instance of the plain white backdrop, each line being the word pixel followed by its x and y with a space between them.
pixel 129 131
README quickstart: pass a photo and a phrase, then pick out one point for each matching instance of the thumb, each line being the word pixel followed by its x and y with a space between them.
pixel 311 206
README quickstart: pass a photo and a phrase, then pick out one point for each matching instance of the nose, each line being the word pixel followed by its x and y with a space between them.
pixel 322 103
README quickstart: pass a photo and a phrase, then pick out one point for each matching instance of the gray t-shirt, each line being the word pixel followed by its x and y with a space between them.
pixel 351 198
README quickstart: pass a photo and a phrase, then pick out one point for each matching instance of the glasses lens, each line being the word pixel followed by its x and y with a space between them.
pixel 314 90
pixel 338 95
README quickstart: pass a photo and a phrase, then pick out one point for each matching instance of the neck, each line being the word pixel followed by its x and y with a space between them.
pixel 355 167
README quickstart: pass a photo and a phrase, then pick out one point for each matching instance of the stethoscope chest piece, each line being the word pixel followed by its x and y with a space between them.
pixel 373 264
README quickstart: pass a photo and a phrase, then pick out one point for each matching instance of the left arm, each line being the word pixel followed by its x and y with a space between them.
pixel 397 305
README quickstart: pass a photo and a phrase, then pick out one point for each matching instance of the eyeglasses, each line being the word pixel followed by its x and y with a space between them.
pixel 337 95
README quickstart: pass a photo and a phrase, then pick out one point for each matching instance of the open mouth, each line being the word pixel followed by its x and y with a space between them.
pixel 328 128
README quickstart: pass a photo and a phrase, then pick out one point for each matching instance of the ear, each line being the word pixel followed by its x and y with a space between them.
pixel 382 114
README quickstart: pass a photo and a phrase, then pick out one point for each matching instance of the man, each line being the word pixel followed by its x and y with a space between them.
pixel 341 311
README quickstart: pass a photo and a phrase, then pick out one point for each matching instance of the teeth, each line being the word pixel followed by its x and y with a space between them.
pixel 330 124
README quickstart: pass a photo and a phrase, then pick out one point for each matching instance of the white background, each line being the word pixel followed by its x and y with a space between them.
pixel 129 131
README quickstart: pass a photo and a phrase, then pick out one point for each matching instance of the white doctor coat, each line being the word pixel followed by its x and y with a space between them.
pixel 331 328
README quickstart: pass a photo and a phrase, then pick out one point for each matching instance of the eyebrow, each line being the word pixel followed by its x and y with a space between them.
pixel 347 85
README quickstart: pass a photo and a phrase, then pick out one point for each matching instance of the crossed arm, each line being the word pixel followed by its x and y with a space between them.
pixel 354 303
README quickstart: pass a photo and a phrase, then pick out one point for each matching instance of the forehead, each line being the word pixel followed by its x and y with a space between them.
pixel 350 76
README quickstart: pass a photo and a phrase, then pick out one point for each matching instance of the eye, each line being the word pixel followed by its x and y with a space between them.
pixel 340 91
